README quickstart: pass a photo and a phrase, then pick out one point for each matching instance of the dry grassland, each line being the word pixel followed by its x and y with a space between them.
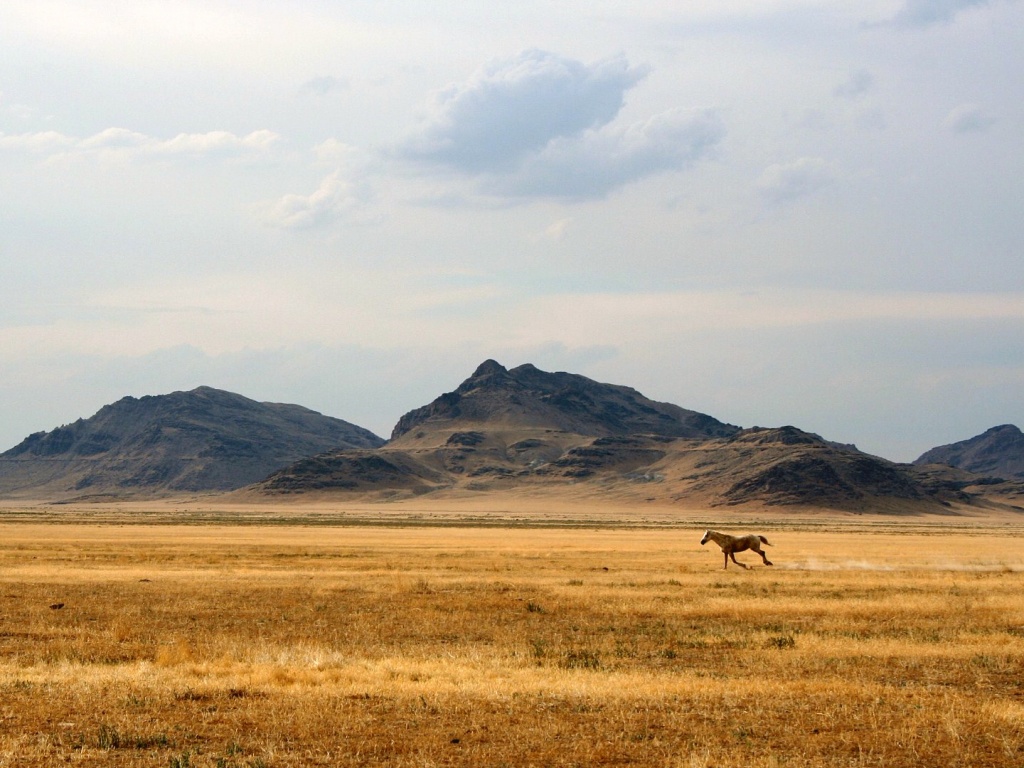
pixel 416 646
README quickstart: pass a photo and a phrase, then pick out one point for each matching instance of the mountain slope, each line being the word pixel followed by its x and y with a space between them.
pixel 998 452
pixel 502 427
pixel 566 402
pixel 202 440
pixel 767 468
pixel 529 431
pixel 785 466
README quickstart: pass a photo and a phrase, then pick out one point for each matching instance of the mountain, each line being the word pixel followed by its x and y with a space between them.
pixel 203 440
pixel 565 402
pixel 502 426
pixel 787 466
pixel 529 431
pixel 998 452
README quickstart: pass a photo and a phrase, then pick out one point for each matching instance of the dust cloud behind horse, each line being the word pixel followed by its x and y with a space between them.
pixel 732 544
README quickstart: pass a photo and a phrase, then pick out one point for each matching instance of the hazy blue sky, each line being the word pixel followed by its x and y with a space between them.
pixel 772 211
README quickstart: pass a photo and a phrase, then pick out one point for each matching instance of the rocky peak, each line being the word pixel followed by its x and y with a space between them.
pixel 489 368
pixel 204 439
pixel 787 435
pixel 1004 434
pixel 997 452
pixel 489 374
pixel 563 402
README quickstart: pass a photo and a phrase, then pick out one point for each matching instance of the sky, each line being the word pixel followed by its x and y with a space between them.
pixel 775 212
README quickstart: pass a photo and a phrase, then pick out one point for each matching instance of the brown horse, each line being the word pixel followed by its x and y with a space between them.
pixel 732 544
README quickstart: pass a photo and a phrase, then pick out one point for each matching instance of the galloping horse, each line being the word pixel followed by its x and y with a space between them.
pixel 732 544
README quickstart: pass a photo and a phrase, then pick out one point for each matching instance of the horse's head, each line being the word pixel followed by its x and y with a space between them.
pixel 706 539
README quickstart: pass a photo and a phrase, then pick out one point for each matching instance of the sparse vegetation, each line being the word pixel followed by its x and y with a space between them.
pixel 286 646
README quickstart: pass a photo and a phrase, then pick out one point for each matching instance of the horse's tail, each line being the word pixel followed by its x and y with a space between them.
pixel 764 540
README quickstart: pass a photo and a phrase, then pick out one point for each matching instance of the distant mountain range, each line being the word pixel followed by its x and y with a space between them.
pixel 534 432
pixel 522 430
pixel 998 452
pixel 202 440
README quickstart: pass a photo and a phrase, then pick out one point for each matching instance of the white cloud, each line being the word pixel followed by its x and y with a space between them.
pixel 784 183
pixel 332 198
pixel 121 143
pixel 968 118
pixel 114 139
pixel 540 125
pixel 595 163
pixel 514 107
pixel 215 142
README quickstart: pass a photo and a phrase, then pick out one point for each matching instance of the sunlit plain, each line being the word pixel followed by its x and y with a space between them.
pixel 877 642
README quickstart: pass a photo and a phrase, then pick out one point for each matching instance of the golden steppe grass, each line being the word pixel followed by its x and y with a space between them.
pixel 295 645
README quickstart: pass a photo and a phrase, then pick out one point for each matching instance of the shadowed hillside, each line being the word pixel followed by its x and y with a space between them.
pixel 202 440
pixel 998 452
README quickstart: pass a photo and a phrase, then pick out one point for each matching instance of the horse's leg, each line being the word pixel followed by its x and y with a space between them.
pixel 733 556
pixel 763 556
pixel 726 554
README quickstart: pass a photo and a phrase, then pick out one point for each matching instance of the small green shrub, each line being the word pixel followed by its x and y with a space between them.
pixel 108 738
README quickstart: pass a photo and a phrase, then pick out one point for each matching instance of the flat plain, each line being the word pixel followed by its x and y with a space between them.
pixel 171 637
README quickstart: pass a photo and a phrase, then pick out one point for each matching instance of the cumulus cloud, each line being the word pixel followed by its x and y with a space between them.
pixel 968 118
pixel 122 143
pixel 783 183
pixel 595 163
pixel 332 198
pixel 513 107
pixel 923 13
pixel 539 124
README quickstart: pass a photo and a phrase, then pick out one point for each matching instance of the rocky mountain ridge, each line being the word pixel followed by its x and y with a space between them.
pixel 568 402
pixel 997 452
pixel 202 440
pixel 533 432
pixel 518 431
